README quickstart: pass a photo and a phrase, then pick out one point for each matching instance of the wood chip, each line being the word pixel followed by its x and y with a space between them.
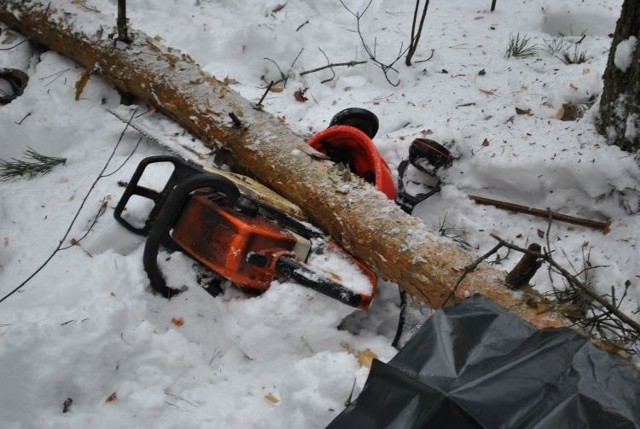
pixel 366 357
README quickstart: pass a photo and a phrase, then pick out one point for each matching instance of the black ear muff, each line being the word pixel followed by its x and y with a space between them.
pixel 362 119
pixel 428 155
pixel 17 80
pixel 417 176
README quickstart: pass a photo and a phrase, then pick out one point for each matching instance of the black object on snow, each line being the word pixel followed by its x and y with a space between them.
pixel 362 119
pixel 477 366
pixel 17 80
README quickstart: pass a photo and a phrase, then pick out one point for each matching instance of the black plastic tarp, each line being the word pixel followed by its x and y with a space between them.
pixel 477 366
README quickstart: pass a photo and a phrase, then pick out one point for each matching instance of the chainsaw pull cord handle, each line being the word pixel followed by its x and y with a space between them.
pixel 168 216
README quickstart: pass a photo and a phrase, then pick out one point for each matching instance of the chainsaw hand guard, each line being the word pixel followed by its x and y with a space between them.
pixel 168 216
pixel 181 171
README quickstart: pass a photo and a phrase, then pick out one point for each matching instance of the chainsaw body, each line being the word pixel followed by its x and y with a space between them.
pixel 224 240
pixel 236 229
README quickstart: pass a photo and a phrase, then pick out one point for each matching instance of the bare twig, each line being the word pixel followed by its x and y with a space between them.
pixel 14 46
pixel 433 51
pixel 259 103
pixel 332 65
pixel 574 281
pixel 493 5
pixel 415 35
pixel 505 205
pixel 23 119
pixel 284 77
pixel 469 269
pixel 59 247
pixel 385 67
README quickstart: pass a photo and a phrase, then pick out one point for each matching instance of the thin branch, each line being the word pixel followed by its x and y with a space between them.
pixel 14 46
pixel 505 205
pixel 575 282
pixel 330 66
pixel 415 36
pixel 284 77
pixel 75 217
pixel 385 67
pixel 469 269
pixel 266 91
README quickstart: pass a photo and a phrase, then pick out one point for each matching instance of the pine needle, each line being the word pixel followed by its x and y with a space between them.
pixel 33 164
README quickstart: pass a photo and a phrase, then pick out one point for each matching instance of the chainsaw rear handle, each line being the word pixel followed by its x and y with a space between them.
pixel 168 216
pixel 182 170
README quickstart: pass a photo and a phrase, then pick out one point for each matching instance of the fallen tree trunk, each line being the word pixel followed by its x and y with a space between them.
pixel 397 245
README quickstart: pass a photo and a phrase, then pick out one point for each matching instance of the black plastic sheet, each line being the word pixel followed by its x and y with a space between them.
pixel 478 366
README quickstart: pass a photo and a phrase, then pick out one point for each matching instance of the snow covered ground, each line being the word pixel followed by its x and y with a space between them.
pixel 86 327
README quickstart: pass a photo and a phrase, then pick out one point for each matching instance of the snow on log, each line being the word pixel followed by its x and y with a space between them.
pixel 396 245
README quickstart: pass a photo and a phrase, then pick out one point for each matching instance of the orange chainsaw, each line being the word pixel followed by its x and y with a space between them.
pixel 239 229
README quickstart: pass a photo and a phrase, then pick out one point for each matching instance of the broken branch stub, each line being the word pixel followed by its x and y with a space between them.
pixel 370 226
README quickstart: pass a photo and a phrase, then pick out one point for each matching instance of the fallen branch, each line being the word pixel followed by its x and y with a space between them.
pixel 331 66
pixel 574 281
pixel 505 205
pixel 385 67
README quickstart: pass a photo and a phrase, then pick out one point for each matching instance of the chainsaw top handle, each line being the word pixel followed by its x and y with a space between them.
pixel 168 216
pixel 181 171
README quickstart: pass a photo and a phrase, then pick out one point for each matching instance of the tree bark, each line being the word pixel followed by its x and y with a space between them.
pixel 373 228
pixel 619 117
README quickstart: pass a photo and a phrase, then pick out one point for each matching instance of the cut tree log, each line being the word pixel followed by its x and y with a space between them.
pixel 399 247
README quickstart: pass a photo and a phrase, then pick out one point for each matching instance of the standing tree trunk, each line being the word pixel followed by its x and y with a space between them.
pixel 619 118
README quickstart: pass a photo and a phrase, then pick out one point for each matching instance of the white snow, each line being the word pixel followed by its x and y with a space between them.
pixel 87 325
pixel 624 53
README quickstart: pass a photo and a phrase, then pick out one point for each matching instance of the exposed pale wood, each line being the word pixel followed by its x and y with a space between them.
pixel 397 245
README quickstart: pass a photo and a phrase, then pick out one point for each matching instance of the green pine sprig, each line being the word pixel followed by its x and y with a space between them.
pixel 33 164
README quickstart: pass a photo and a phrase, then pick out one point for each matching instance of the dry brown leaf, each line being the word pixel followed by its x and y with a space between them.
pixel 525 111
pixel 111 397
pixel 271 398
pixel 485 142
pixel 572 86
pixel 299 96
pixel 366 357
pixel 426 132
pixel 586 70
pixel 178 321
pixel 276 88
pixel 487 91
